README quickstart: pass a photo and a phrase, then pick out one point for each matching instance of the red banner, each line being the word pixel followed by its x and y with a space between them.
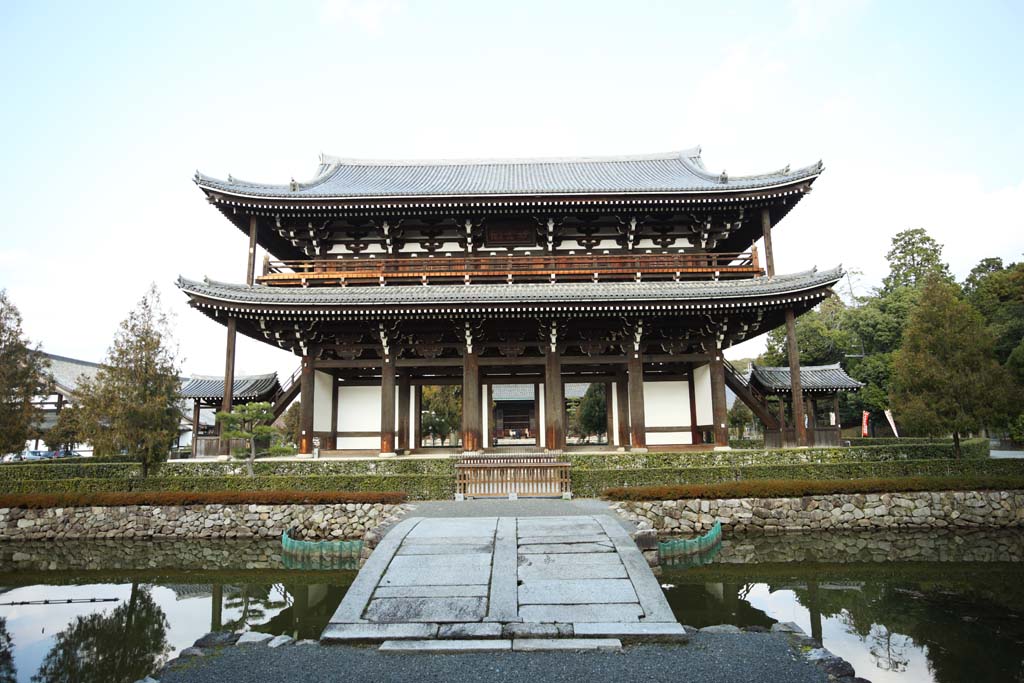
pixel 864 423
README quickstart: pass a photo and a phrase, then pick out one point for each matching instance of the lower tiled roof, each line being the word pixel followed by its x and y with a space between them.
pixel 812 378
pixel 251 387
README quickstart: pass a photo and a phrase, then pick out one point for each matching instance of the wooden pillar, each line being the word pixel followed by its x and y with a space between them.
pixel 417 416
pixel 335 386
pixel 794 374
pixel 835 411
pixel 554 400
pixel 403 410
pixel 306 378
pixel 812 421
pixel 622 403
pixel 536 427
pixel 250 271
pixel 766 228
pixel 695 434
pixel 229 381
pixel 470 402
pixel 637 422
pixel 195 426
pixel 719 409
pixel 387 406
pixel 609 414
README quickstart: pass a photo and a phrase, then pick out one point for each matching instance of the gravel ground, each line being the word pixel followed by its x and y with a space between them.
pixel 708 658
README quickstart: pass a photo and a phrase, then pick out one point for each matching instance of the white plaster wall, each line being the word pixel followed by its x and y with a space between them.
pixel 667 404
pixel 542 426
pixel 613 438
pixel 702 394
pixel 359 411
pixel 322 384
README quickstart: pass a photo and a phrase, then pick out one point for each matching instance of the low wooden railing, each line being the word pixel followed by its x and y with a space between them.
pixel 510 268
pixel 526 476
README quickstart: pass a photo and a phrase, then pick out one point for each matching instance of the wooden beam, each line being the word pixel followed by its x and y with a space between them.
pixel 224 446
pixel 387 408
pixel 403 410
pixel 470 402
pixel 554 401
pixel 766 229
pixel 306 378
pixel 637 422
pixel 796 390
pixel 719 409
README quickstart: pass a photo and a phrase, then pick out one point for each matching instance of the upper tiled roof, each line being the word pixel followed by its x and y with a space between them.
pixel 812 378
pixel 66 371
pixel 250 387
pixel 674 172
pixel 568 292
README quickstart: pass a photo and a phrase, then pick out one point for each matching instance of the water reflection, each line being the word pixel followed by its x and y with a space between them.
pixel 899 607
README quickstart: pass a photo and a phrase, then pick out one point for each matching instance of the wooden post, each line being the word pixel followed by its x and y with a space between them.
pixel 794 374
pixel 637 422
pixel 387 406
pixel 417 416
pixel 335 386
pixel 622 402
pixel 195 426
pixel 470 402
pixel 216 607
pixel 838 425
pixel 719 409
pixel 609 414
pixel 250 271
pixel 554 400
pixel 403 410
pixel 535 425
pixel 306 378
pixel 695 434
pixel 812 422
pixel 229 381
pixel 766 228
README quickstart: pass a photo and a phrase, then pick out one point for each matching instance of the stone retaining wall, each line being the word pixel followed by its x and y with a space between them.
pixel 334 521
pixel 923 510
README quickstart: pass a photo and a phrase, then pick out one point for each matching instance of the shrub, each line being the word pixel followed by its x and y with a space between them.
pixel 773 488
pixel 51 500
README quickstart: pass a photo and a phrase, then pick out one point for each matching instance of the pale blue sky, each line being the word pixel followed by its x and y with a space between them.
pixel 108 109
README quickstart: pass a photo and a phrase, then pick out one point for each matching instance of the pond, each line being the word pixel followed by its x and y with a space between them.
pixel 902 607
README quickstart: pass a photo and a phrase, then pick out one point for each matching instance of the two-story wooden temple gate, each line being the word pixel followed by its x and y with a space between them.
pixel 634 272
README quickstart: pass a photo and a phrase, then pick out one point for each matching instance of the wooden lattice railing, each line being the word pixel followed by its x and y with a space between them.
pixel 510 268
pixel 525 476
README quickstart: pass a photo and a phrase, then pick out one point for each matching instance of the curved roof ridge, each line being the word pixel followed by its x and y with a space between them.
pixel 827 366
pixel 330 160
pixel 265 375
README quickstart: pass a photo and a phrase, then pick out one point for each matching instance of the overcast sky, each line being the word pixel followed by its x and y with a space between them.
pixel 108 109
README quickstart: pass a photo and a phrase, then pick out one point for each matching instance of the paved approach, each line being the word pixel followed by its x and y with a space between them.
pixel 504 577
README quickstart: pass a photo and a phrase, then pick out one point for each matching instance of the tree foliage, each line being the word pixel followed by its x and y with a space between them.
pixel 252 422
pixel 131 405
pixel 292 429
pixel 591 412
pixel 946 378
pixel 23 380
pixel 8 671
pixel 65 432
pixel 441 412
pixel 821 336
pixel 914 257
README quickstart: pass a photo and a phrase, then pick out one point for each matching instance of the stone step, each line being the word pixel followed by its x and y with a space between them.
pixel 549 644
pixel 445 646
pixel 364 632
pixel 635 631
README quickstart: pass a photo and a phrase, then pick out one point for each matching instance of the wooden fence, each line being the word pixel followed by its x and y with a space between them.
pixel 525 476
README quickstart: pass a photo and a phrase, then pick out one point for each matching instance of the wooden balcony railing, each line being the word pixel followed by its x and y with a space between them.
pixel 509 268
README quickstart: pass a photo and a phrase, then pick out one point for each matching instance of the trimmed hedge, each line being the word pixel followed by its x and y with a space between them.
pixel 62 500
pixel 589 483
pixel 747 444
pixel 415 486
pixel 774 488
pixel 34 471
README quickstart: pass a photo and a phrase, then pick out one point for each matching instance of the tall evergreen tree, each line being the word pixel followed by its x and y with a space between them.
pixel 592 412
pixel 946 378
pixel 913 258
pixel 23 379
pixel 131 405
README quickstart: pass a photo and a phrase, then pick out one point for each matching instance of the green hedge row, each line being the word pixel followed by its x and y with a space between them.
pixel 747 444
pixel 36 471
pixel 415 486
pixel 590 483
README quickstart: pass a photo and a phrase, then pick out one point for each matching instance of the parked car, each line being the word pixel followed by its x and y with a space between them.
pixel 31 455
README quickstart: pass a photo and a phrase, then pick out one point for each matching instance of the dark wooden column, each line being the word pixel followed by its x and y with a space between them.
pixel 470 402
pixel 250 271
pixel 387 406
pixel 229 380
pixel 335 386
pixel 794 374
pixel 622 403
pixel 637 422
pixel 306 379
pixel 403 410
pixel 609 428
pixel 195 426
pixel 417 416
pixel 554 401
pixel 216 607
pixel 766 228
pixel 719 409
pixel 695 433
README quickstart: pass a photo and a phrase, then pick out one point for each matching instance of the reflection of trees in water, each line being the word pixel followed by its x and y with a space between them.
pixel 254 601
pixel 8 674
pixel 121 646
pixel 888 649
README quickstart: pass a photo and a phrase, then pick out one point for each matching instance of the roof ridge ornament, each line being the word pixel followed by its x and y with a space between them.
pixel 724 177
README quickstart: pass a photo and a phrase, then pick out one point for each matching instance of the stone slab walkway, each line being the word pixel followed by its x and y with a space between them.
pixel 504 577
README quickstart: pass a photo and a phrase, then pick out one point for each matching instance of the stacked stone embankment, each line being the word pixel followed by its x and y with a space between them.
pixel 334 521
pixel 919 510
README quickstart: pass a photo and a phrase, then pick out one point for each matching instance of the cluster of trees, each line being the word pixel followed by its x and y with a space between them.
pixel 945 357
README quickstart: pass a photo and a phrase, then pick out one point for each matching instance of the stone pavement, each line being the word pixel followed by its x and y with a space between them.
pixel 471 578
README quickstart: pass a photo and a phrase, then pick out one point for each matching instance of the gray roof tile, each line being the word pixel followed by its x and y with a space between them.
pixel 66 371
pixel 249 387
pixel 674 172
pixel 524 392
pixel 812 378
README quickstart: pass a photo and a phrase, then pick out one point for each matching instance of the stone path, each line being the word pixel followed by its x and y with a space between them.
pixel 470 578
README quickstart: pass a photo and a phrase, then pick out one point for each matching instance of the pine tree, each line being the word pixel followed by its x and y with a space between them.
pixel 946 378
pixel 131 406
pixel 24 380
pixel 249 421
